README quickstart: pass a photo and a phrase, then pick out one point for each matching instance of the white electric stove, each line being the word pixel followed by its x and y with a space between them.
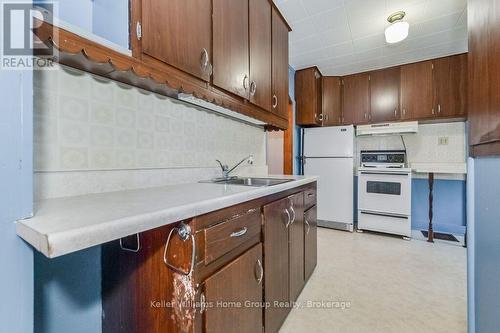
pixel 384 193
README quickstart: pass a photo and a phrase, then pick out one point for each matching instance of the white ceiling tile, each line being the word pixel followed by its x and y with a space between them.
pixel 335 36
pixel 302 29
pixel 318 6
pixel 431 26
pixel 363 27
pixel 444 7
pixel 370 42
pixel 331 19
pixel 338 50
pixel 305 45
pixel 361 9
pixel 292 10
pixel 463 18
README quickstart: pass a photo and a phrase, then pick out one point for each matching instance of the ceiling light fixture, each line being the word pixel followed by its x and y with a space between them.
pixel 398 30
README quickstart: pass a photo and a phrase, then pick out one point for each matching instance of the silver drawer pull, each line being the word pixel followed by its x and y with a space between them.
pixel 293 210
pixel 138 247
pixel 310 195
pixel 261 271
pixel 239 233
pixel 184 232
pixel 203 301
pixel 308 227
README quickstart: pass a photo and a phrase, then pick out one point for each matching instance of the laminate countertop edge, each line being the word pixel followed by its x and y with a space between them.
pixel 64 225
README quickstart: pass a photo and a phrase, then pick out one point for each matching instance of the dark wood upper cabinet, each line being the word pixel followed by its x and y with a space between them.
pixel 308 97
pixel 356 98
pixel 450 86
pixel 279 97
pixel 296 245
pixel 231 46
pixel 276 263
pixel 417 91
pixel 484 77
pixel 179 33
pixel 332 100
pixel 384 95
pixel 239 281
pixel 310 241
pixel 260 53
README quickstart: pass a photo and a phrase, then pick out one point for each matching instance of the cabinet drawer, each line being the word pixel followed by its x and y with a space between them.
pixel 309 197
pixel 226 236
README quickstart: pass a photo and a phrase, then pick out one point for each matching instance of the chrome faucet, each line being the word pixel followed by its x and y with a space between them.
pixel 225 168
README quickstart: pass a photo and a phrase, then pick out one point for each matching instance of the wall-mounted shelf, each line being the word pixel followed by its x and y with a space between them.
pixel 81 53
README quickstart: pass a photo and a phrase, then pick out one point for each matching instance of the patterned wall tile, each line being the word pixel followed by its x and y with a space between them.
pixel 85 122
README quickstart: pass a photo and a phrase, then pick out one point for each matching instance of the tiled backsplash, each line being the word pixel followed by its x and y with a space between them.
pixel 85 123
pixel 424 146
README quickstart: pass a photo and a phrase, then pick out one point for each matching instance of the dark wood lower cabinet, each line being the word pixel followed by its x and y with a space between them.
pixel 310 242
pixel 266 249
pixel 276 263
pixel 296 246
pixel 234 294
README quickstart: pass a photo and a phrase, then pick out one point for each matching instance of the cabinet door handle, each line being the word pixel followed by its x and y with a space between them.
pixel 239 233
pixel 205 62
pixel 432 111
pixel 321 117
pixel 260 277
pixel 184 232
pixel 203 301
pixel 369 116
pixel 289 218
pixel 245 82
pixel 275 101
pixel 439 108
pixel 253 88
pixel 395 113
pixel 137 248
pixel 308 226
pixel 404 112
pixel 293 211
pixel 366 116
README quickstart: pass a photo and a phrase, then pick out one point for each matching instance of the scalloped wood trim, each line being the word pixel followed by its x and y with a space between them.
pixel 81 53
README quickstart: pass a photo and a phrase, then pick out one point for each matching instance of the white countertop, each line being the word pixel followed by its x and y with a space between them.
pixel 64 225
pixel 447 168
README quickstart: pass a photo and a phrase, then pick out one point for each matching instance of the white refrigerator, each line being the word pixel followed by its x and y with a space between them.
pixel 328 152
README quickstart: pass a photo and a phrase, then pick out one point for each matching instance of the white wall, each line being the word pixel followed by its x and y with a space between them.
pixel 275 156
pixel 94 135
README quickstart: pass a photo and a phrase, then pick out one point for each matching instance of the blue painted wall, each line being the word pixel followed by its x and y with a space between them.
pixel 16 199
pixel 449 205
pixel 487 244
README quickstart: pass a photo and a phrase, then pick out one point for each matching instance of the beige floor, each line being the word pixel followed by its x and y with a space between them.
pixel 391 285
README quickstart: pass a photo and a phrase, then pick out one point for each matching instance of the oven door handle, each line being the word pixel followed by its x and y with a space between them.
pixel 384 173
pixel 386 215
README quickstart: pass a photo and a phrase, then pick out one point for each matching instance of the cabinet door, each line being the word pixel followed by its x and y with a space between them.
pixel 450 86
pixel 276 263
pixel 279 97
pixel 308 96
pixel 260 53
pixel 416 91
pixel 331 100
pixel 231 46
pixel 310 242
pixel 296 245
pixel 179 33
pixel 356 99
pixel 240 281
pixel 384 95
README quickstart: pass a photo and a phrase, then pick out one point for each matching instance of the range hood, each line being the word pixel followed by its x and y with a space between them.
pixel 217 109
pixel 409 127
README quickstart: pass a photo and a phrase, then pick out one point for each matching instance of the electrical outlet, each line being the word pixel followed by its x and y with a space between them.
pixel 443 141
